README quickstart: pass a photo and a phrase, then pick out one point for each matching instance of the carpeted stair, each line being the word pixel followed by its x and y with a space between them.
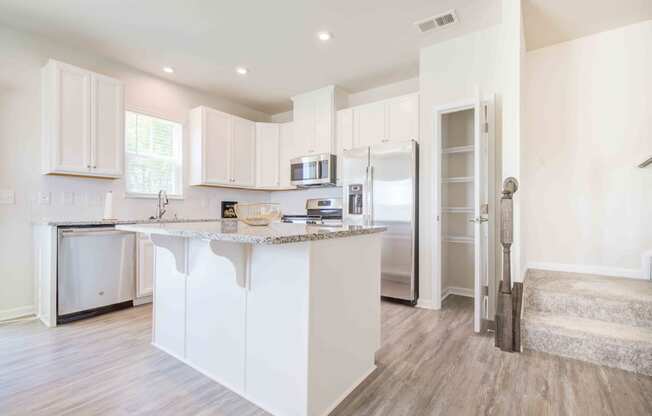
pixel 603 320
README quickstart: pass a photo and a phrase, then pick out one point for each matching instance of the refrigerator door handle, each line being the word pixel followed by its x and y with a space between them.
pixel 365 199
pixel 371 195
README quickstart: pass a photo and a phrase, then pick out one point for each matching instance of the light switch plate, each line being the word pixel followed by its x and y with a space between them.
pixel 44 198
pixel 7 197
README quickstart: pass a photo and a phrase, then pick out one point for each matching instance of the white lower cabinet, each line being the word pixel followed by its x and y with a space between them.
pixel 145 267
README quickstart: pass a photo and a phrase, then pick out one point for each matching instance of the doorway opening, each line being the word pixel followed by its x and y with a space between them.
pixel 465 231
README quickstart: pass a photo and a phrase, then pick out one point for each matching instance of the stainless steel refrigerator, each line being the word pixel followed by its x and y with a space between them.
pixel 380 188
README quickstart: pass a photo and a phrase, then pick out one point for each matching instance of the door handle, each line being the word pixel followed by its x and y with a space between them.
pixel 479 220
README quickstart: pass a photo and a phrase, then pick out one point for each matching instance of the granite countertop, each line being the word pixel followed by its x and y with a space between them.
pixel 237 231
pixel 69 223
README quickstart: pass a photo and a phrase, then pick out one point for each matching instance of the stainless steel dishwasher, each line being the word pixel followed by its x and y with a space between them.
pixel 96 271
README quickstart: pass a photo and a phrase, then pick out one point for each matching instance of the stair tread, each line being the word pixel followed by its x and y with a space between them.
pixel 575 326
pixel 588 285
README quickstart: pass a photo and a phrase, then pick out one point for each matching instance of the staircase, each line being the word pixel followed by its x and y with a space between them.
pixel 602 320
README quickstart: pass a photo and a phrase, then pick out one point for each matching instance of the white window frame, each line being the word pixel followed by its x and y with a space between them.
pixel 149 113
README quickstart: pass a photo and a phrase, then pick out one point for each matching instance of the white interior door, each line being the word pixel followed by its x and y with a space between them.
pixel 484 218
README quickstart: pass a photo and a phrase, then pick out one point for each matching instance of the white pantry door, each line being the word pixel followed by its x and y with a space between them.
pixel 484 213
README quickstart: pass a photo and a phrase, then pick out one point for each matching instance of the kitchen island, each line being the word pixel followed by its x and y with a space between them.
pixel 286 315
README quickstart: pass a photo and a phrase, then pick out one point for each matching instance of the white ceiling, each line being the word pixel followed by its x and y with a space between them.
pixel 553 21
pixel 375 41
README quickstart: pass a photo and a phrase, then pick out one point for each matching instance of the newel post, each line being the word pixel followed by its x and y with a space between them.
pixel 508 308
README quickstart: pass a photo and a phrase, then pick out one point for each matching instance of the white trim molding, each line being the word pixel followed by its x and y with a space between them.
pixel 459 291
pixel 15 313
pixel 646 265
pixel 427 304
pixel 589 269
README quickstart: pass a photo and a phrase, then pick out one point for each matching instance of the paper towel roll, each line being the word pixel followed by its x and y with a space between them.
pixel 108 206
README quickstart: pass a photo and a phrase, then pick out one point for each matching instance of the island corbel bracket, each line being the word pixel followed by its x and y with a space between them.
pixel 178 246
pixel 239 254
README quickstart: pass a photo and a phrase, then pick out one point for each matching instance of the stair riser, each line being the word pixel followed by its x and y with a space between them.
pixel 630 356
pixel 628 313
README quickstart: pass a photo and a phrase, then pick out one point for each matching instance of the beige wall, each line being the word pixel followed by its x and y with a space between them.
pixel 587 124
pixel 21 57
pixel 450 72
pixel 383 92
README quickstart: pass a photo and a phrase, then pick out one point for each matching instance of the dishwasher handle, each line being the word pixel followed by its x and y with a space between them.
pixel 92 232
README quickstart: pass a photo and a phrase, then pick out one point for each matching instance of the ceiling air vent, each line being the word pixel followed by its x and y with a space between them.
pixel 437 22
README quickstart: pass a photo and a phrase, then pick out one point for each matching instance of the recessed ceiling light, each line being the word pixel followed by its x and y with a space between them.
pixel 168 69
pixel 241 70
pixel 324 36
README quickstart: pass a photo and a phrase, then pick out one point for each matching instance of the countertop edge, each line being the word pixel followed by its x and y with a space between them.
pixel 250 239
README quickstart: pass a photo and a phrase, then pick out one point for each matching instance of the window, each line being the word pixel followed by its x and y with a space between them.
pixel 153 155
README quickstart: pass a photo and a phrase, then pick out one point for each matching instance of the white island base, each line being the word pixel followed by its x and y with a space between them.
pixel 293 328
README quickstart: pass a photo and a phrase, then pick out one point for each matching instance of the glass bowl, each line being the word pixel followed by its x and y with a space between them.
pixel 258 213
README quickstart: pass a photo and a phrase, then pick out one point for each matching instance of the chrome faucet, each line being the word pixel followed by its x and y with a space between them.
pixel 160 205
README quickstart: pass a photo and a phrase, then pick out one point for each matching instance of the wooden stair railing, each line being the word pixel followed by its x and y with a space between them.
pixel 508 308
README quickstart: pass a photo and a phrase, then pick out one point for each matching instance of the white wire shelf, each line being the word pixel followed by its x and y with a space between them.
pixel 458 239
pixel 458 210
pixel 458 179
pixel 458 149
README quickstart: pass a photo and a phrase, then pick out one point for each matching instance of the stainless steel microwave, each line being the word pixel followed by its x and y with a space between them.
pixel 313 171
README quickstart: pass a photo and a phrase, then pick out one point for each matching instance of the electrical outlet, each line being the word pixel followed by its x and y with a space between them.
pixel 7 197
pixel 93 199
pixel 44 198
pixel 68 198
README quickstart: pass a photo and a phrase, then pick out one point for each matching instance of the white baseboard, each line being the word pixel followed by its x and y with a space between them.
pixel 426 304
pixel 587 269
pixel 459 291
pixel 15 313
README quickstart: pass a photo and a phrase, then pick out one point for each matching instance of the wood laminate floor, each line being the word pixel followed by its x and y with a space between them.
pixel 430 364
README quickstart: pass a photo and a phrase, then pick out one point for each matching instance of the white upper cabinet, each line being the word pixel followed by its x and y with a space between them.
pixel 314 120
pixel 288 151
pixel 402 115
pixel 396 119
pixel 268 155
pixel 210 138
pixel 369 124
pixel 344 130
pixel 222 149
pixel 243 153
pixel 344 137
pixel 107 124
pixel 83 122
